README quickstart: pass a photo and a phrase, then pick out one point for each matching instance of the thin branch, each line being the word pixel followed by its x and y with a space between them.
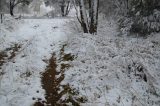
pixel 74 4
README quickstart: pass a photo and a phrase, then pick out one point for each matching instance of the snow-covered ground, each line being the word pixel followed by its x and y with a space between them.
pixel 108 69
pixel 115 70
pixel 20 75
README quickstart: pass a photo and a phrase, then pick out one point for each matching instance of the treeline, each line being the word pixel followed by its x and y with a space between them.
pixel 9 5
pixel 86 11
pixel 135 16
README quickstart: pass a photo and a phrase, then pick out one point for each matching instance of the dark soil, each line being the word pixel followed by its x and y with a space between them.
pixel 52 84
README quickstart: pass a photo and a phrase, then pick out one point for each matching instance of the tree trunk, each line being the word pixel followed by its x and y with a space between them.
pixel 89 23
pixel 63 8
pixel 83 15
pixel 67 8
pixel 11 7
pixel 94 5
pixel 91 9
pixel 11 12
pixel 1 18
pixel 62 11
pixel 1 10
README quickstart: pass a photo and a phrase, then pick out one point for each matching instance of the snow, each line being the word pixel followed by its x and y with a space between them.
pixel 39 39
pixel 110 70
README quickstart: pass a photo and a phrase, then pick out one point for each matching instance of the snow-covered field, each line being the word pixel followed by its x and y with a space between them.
pixel 108 69
pixel 20 75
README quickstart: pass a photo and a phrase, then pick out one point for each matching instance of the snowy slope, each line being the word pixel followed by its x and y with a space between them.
pixel 20 81
pixel 114 70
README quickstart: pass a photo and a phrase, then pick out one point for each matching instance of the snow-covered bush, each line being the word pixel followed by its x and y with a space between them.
pixel 9 23
pixel 146 25
pixel 110 70
pixel 134 16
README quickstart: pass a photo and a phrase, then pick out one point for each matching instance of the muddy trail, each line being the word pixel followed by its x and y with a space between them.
pixel 54 91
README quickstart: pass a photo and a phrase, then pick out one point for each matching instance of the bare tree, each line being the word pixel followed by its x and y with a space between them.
pixel 89 23
pixel 93 8
pixel 14 3
pixel 65 6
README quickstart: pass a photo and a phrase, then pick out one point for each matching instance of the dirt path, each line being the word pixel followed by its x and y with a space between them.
pixel 21 81
pixel 54 91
